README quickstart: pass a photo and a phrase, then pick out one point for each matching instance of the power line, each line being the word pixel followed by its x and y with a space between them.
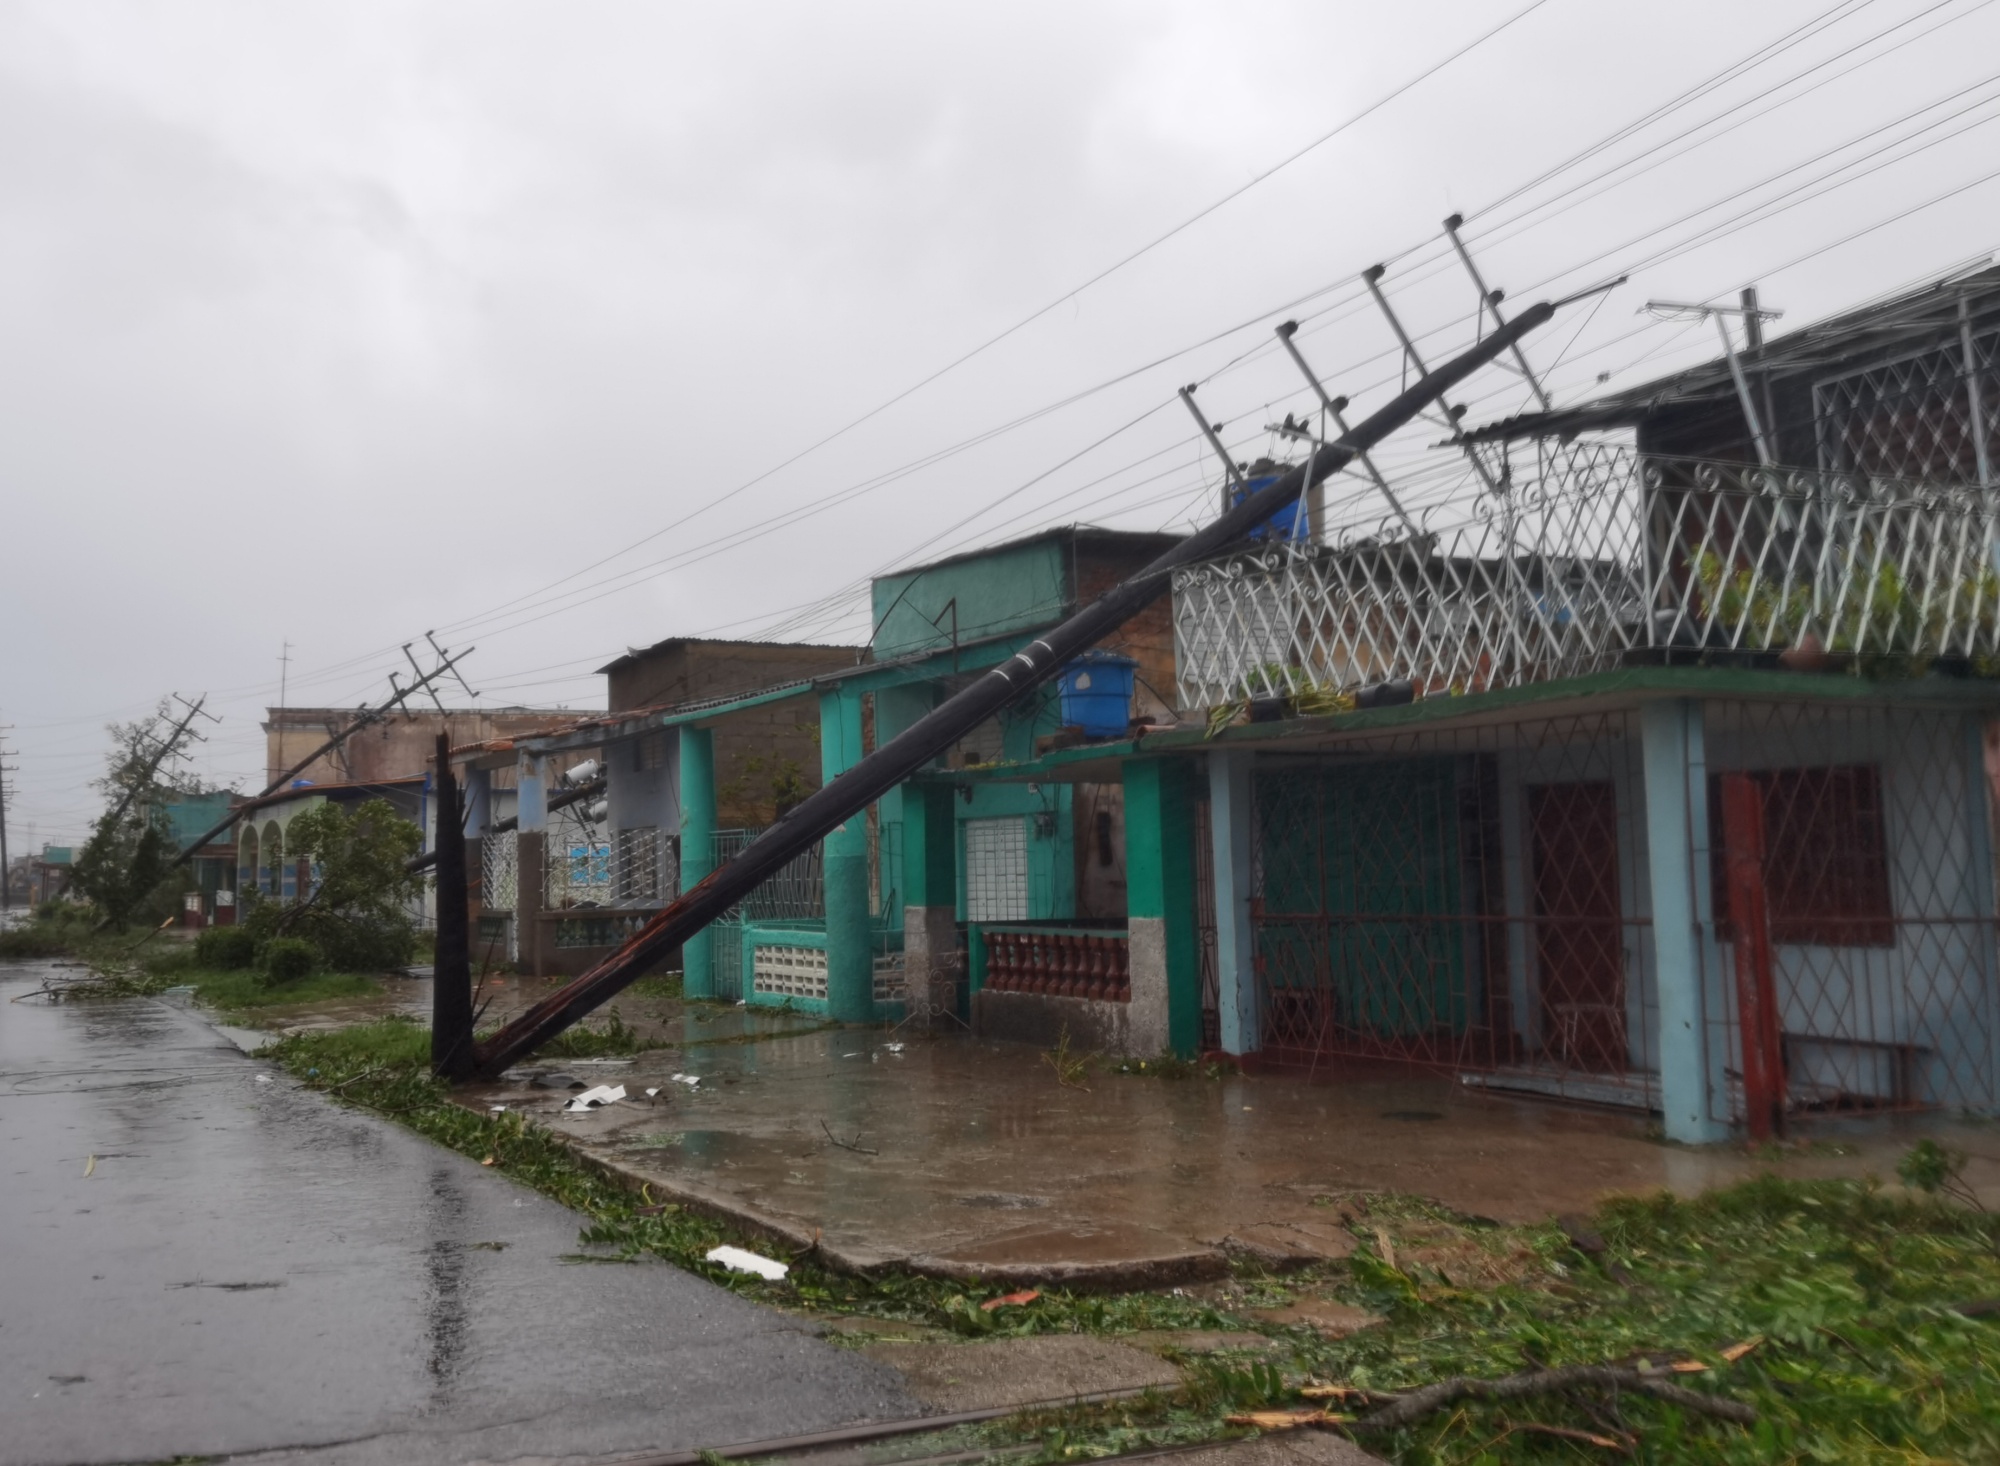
pixel 1759 57
pixel 1071 294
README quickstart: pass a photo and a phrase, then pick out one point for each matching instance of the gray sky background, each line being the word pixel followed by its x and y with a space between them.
pixel 331 323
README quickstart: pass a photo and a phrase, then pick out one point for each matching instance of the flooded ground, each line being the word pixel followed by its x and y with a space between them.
pixel 960 1156
pixel 202 1259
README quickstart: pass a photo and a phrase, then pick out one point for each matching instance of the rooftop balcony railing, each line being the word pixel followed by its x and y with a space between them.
pixel 1600 558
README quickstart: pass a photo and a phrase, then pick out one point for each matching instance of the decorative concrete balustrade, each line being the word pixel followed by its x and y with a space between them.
pixel 1058 962
pixel 1594 557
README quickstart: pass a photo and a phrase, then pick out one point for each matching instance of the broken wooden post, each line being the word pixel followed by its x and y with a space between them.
pixel 1750 933
pixel 451 966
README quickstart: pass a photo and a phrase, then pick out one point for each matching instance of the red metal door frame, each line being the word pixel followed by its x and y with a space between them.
pixel 1756 988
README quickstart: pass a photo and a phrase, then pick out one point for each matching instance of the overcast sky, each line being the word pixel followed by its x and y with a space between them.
pixel 334 323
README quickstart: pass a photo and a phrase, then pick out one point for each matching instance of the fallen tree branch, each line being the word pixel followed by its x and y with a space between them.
pixel 1564 1433
pixel 852 1145
pixel 1421 1402
pixel 354 1079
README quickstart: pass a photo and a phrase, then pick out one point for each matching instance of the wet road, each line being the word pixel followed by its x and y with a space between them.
pixel 247 1268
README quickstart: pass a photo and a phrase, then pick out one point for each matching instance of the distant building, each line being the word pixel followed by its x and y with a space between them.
pixel 400 746
pixel 213 865
pixel 50 872
pixel 567 885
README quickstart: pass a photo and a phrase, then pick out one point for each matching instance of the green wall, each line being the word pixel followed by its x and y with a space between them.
pixel 1011 589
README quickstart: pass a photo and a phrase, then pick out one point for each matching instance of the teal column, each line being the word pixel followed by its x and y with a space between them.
pixel 930 913
pixel 930 845
pixel 1685 960
pixel 850 956
pixel 1159 904
pixel 1231 827
pixel 697 760
pixel 531 854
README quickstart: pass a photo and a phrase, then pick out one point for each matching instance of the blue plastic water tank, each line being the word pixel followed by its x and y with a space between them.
pixel 1097 693
pixel 1290 522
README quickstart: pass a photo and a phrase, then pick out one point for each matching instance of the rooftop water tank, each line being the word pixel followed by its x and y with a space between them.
pixel 1097 693
pixel 1290 522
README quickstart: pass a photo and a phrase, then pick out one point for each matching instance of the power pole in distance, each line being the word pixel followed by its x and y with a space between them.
pixel 6 794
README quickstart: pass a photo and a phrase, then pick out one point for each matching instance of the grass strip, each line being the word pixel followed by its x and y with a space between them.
pixel 1827 1307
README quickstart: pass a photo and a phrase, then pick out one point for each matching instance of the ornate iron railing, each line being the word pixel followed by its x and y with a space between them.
pixel 1597 558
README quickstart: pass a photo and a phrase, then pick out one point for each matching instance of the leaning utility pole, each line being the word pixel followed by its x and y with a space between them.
pixel 853 790
pixel 169 746
pixel 365 718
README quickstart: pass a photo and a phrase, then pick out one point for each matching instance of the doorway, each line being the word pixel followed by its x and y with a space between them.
pixel 1579 946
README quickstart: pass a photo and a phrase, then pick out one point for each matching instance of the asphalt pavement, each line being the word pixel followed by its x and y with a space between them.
pixel 198 1258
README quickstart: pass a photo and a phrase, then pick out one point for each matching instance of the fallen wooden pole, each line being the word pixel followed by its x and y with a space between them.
pixel 846 795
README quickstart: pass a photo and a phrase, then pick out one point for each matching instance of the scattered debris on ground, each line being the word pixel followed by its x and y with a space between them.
pixel 739 1260
pixel 592 1099
pixel 1823 1319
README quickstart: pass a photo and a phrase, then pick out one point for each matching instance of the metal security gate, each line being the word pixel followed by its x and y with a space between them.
pixel 1878 889
pixel 795 893
pixel 1573 828
pixel 1470 901
pixel 1361 928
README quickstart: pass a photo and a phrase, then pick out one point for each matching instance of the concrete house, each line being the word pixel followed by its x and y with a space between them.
pixel 1656 779
pixel 391 760
pixel 709 740
pixel 1649 770
pixel 565 879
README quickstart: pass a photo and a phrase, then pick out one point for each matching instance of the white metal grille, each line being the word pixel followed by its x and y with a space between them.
pixel 1921 417
pixel 1593 556
pixel 789 972
pixel 586 867
pixel 499 864
pixel 996 869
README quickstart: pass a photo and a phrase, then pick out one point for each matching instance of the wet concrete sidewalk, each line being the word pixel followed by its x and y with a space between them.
pixel 959 1157
pixel 203 1260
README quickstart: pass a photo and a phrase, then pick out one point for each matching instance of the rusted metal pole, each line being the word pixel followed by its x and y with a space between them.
pixel 451 963
pixel 1758 1019
pixel 847 795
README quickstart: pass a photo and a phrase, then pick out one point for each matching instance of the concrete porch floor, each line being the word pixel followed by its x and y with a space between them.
pixel 959 1157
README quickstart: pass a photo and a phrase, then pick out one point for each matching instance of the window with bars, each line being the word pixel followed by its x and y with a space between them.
pixel 649 750
pixel 1826 857
pixel 1917 417
pixel 996 869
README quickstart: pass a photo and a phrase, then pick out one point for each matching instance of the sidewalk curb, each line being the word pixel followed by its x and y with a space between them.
pixel 1196 1265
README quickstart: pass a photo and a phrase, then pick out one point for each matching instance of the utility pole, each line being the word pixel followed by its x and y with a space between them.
pixel 894 761
pixel 168 747
pixel 366 717
pixel 451 969
pixel 6 794
pixel 1753 330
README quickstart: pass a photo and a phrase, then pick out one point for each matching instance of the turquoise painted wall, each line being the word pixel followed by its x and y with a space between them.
pixel 1051 840
pixel 1008 590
